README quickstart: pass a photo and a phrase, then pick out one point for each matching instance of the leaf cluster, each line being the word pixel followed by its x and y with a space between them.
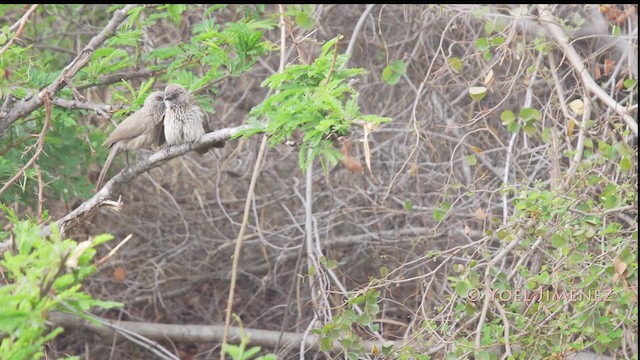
pixel 44 274
pixel 316 99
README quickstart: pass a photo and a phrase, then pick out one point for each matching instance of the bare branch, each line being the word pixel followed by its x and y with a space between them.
pixel 194 333
pixel 100 109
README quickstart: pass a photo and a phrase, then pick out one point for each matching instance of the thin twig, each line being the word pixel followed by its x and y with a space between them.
pixel 20 23
pixel 112 252
pixel 40 192
pixel 356 31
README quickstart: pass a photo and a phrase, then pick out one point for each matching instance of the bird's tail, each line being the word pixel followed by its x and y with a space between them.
pixel 107 164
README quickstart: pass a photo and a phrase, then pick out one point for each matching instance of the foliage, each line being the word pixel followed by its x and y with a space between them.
pixel 240 352
pixel 316 99
pixel 44 275
pixel 211 53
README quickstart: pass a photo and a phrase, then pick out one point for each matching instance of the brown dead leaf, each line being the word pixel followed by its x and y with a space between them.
pixel 352 164
pixel 598 73
pixel 613 14
pixel 413 169
pixel 119 274
pixel 608 66
pixel 480 214
pixel 475 149
pixel 620 268
pixel 619 84
pixel 467 229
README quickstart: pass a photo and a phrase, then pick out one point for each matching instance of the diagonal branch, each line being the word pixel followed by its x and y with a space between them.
pixel 24 108
pixel 557 34
pixel 129 173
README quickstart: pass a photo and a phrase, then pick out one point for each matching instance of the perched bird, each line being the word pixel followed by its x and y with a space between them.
pixel 142 129
pixel 184 120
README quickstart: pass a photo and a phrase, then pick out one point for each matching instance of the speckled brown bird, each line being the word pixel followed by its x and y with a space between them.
pixel 142 129
pixel 185 121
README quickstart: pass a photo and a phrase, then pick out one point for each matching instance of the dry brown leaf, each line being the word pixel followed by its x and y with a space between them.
pixel 620 266
pixel 480 214
pixel 608 66
pixel 346 144
pixel 413 170
pixel 119 274
pixel 352 164
pixel 467 229
pixel 598 74
pixel 475 149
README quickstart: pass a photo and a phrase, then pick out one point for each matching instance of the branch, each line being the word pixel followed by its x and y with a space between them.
pixel 557 34
pixel 196 333
pixel 109 79
pixel 20 25
pixel 100 109
pixel 129 173
pixel 26 107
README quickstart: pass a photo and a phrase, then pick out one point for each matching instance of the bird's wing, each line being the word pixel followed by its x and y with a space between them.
pixel 135 125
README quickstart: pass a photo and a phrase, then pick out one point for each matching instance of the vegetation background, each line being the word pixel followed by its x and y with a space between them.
pixel 508 171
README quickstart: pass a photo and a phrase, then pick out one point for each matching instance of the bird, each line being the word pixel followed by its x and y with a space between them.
pixel 142 129
pixel 184 121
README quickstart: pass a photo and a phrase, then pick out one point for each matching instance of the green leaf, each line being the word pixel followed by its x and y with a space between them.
pixel 625 164
pixel 546 135
pixel 527 114
pixel 408 205
pixel 615 30
pixel 558 241
pixel 384 271
pixel 331 264
pixel 477 92
pixel 462 288
pixel 507 117
pixel 390 76
pixel 472 160
pixel 611 201
pixel 629 84
pixel 399 67
pixel 455 64
pixel 530 129
pixel 305 21
pixel 489 26
pixel 497 41
pixel 482 44
pixel 326 343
